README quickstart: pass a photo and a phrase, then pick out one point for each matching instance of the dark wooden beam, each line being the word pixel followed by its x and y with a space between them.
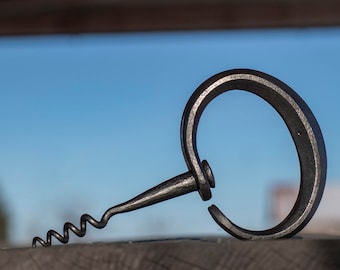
pixel 206 254
pixel 19 17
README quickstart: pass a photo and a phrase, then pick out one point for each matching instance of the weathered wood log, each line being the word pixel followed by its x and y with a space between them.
pixel 218 253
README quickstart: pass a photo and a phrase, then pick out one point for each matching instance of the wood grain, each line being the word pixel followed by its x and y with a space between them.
pixel 27 17
pixel 180 254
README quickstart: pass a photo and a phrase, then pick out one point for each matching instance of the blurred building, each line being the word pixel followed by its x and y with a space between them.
pixel 327 217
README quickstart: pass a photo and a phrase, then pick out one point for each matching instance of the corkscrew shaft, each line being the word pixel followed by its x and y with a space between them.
pixel 174 187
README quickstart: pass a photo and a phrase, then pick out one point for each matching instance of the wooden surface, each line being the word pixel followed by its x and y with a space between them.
pixel 22 17
pixel 181 254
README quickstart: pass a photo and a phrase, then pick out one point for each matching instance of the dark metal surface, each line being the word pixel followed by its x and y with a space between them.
pixel 303 128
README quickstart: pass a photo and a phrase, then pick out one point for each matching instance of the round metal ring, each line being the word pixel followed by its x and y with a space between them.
pixel 302 126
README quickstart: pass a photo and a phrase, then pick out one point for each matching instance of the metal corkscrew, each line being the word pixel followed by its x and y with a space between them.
pixel 302 126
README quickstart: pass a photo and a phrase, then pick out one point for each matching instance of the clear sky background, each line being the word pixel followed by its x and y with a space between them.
pixel 89 121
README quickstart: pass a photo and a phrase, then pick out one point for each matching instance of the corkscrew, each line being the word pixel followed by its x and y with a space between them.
pixel 301 124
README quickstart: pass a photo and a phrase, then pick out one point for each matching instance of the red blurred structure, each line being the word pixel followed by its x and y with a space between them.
pixel 326 219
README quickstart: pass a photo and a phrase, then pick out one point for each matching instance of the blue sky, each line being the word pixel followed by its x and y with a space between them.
pixel 89 121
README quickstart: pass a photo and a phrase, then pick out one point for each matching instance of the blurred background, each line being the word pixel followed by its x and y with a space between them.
pixel 91 99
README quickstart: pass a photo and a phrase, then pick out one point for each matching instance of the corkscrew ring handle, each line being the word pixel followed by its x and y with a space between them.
pixel 302 126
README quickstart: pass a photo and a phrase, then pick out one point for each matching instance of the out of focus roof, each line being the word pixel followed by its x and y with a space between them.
pixel 27 17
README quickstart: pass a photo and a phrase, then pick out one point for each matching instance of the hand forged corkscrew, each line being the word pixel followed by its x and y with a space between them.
pixel 302 126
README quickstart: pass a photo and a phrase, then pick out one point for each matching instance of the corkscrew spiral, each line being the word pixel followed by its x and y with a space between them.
pixel 84 219
pixel 176 186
